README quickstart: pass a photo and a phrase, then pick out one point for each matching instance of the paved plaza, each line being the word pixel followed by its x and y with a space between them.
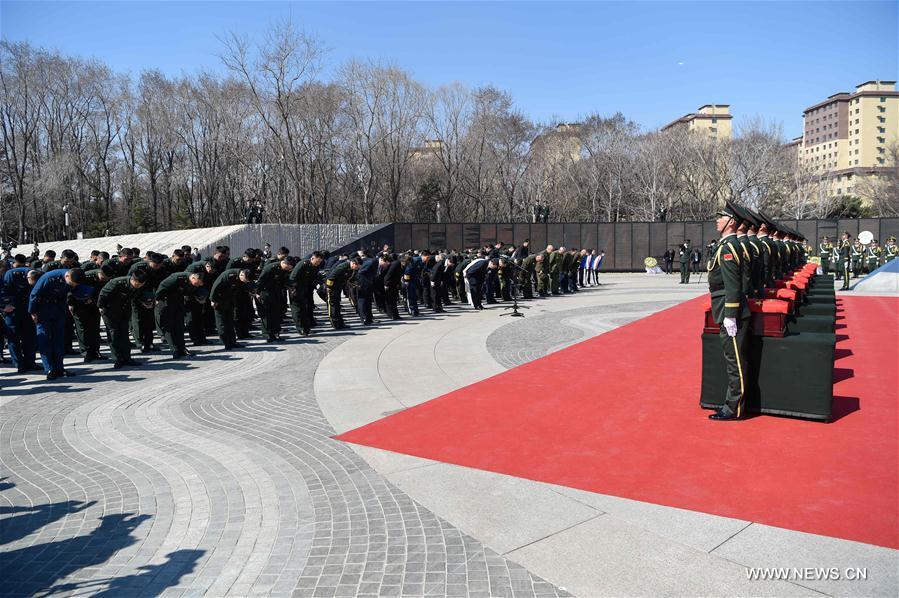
pixel 220 476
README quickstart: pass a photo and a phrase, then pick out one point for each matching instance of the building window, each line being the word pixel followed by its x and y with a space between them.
pixel 882 99
pixel 880 160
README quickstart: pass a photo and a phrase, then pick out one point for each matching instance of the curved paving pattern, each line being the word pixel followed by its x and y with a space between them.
pixel 531 338
pixel 220 479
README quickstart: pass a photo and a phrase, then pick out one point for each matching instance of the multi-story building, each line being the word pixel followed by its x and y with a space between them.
pixel 846 137
pixel 712 120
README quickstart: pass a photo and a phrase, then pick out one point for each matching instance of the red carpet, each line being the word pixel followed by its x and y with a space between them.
pixel 619 414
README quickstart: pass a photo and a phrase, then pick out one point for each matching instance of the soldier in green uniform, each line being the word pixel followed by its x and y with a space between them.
pixel 554 263
pixel 542 271
pixel 873 256
pixel 730 310
pixel 683 256
pixel 271 284
pixel 301 285
pixel 114 303
pixel 177 262
pixel 526 275
pixel 170 296
pixel 335 282
pixel 87 316
pixel 844 260
pixel 756 288
pixel 223 297
pixel 890 251
pixel 194 311
pixel 825 252
pixel 142 317
pixel 856 254
pixel 505 279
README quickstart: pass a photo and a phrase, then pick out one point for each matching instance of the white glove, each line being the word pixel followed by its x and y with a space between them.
pixel 730 324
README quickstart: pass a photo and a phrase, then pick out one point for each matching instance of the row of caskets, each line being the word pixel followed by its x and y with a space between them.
pixel 791 349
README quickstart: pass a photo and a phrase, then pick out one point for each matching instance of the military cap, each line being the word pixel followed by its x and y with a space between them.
pixel 772 226
pixel 746 215
pixel 731 211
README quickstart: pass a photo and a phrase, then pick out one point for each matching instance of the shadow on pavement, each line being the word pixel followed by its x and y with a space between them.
pixel 36 569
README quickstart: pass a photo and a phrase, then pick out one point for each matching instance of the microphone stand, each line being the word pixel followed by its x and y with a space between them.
pixel 514 307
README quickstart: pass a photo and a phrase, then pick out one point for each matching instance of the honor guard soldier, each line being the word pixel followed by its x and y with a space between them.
pixel 890 251
pixel 825 253
pixel 873 256
pixel 730 310
pixel 683 256
pixel 757 286
pixel 114 303
pixel 856 255
pixel 844 260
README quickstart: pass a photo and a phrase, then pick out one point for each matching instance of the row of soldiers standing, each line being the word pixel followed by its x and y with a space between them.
pixel 752 253
pixel 50 303
pixel 862 259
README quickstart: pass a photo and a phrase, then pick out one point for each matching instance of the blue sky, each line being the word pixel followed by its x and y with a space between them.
pixel 654 61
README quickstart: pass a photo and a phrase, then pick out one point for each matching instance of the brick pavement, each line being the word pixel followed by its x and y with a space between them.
pixel 218 477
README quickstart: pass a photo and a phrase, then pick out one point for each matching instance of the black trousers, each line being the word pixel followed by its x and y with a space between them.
pixel 474 288
pixel 171 319
pixel 87 329
pixel 364 298
pixel 224 323
pixel 734 348
pixel 117 334
pixel 301 307
pixel 142 325
pixel 437 295
pixel 685 272
pixel 334 313
pixel 270 313
pixel 391 300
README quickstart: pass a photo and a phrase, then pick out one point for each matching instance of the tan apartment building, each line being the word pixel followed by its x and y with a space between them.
pixel 556 144
pixel 712 120
pixel 846 137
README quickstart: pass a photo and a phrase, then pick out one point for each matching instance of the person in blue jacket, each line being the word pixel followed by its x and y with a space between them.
pixel 47 305
pixel 21 338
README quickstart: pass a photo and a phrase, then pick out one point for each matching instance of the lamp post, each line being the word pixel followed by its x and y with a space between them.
pixel 65 211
